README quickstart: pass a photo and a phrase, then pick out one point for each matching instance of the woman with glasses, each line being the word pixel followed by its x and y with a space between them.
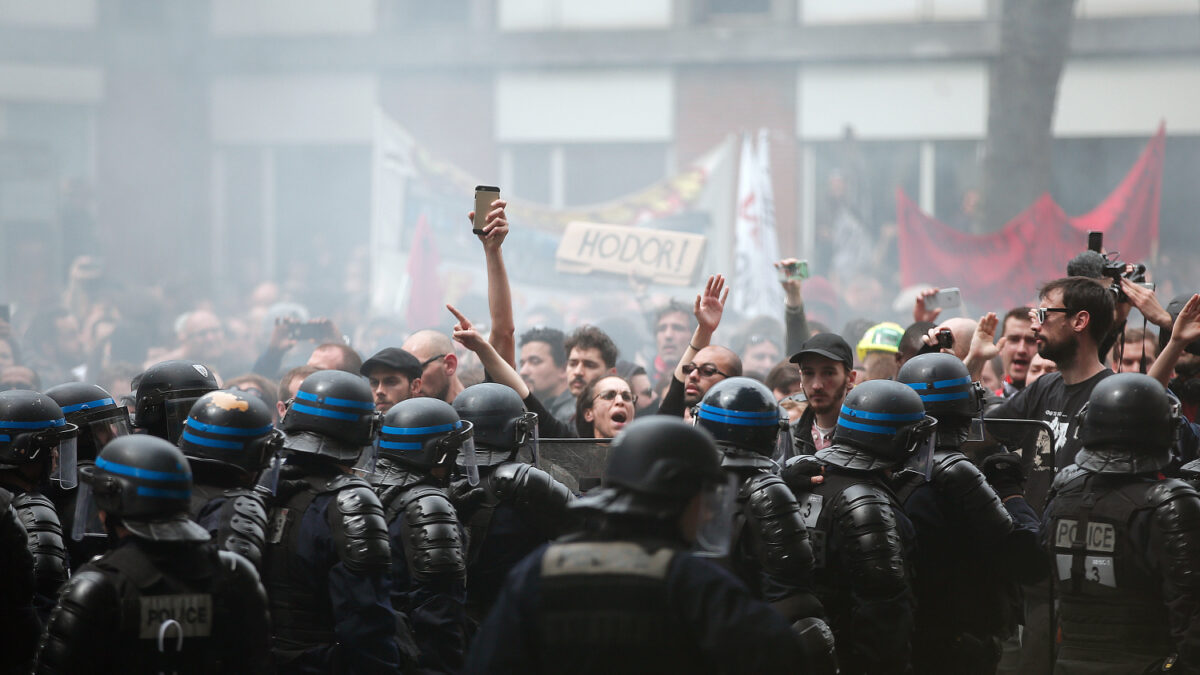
pixel 604 408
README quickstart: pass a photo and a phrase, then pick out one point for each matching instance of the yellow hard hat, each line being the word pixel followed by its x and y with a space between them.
pixel 882 337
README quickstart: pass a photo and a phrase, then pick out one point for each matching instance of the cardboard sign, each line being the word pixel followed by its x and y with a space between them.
pixel 665 257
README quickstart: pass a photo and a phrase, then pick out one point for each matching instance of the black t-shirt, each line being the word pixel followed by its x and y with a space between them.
pixel 1051 400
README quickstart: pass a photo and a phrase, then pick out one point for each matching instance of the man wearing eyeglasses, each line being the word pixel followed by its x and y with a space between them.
pixel 1073 316
pixel 439 364
pixel 702 365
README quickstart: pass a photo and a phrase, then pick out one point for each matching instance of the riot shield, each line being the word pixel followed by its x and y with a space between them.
pixel 1033 440
pixel 578 463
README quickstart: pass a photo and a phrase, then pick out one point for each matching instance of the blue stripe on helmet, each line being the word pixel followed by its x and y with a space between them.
pixel 134 472
pixel 39 424
pixel 942 384
pixel 869 428
pixel 319 412
pixel 144 491
pixel 212 442
pixel 5 437
pixel 711 415
pixel 88 405
pixel 919 386
pixel 934 398
pixel 391 445
pixel 418 431
pixel 339 402
pixel 772 415
pixel 883 417
pixel 227 431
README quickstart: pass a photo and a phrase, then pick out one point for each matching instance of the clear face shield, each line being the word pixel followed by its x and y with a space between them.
pixel 105 430
pixel 714 522
pixel 923 441
pixel 87 514
pixel 784 444
pixel 63 471
pixel 464 438
pixel 175 412
pixel 975 433
pixel 268 480
pixel 367 459
pixel 527 430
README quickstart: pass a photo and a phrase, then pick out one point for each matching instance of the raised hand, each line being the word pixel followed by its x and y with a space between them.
pixel 710 304
pixel 464 333
pixel 1187 324
pixel 981 343
pixel 919 311
pixel 1147 303
pixel 791 286
pixel 495 225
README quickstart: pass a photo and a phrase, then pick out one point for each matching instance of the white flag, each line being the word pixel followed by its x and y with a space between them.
pixel 756 288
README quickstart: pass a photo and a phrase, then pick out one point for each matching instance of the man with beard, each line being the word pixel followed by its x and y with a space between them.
pixel 1073 316
pixel 543 367
pixel 439 364
pixel 826 374
pixel 590 354
pixel 394 376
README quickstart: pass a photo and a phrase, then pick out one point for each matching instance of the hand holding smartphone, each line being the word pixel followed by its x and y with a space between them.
pixel 944 299
pixel 484 196
pixel 793 270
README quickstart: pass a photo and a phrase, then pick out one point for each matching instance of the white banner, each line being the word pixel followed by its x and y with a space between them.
pixel 756 289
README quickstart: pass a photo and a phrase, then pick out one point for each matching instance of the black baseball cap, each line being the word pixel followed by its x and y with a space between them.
pixel 829 345
pixel 393 358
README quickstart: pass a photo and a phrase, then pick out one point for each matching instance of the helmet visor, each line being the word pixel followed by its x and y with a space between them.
pixel 87 513
pixel 65 457
pixel 105 430
pixel 176 412
pixel 268 480
pixel 784 447
pixel 469 462
pixel 365 466
pixel 714 528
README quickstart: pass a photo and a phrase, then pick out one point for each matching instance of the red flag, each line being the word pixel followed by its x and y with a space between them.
pixel 426 305
pixel 1002 269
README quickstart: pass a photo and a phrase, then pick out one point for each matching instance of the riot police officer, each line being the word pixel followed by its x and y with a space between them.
pixel 1126 544
pixel 228 439
pixel 419 441
pixel 770 551
pixel 517 506
pixel 162 601
pixel 626 595
pixel 327 560
pixel 99 419
pixel 961 524
pixel 18 621
pixel 860 535
pixel 35 439
pixel 164 395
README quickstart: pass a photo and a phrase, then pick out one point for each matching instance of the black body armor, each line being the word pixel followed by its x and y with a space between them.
pixel 963 486
pixel 18 623
pixel 604 609
pixel 1126 550
pixel 159 608
pixel 41 523
pixel 535 494
pixel 236 518
pixel 772 540
pixel 859 570
pixel 433 545
pixel 301 617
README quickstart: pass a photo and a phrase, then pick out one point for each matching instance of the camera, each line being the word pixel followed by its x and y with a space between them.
pixel 1092 263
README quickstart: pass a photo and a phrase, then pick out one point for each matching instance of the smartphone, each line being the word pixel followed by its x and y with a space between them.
pixel 793 270
pixel 306 331
pixel 944 299
pixel 1095 241
pixel 484 196
pixel 945 339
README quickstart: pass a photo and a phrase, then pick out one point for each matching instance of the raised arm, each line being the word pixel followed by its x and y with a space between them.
pixel 709 306
pixel 1186 330
pixel 500 370
pixel 504 328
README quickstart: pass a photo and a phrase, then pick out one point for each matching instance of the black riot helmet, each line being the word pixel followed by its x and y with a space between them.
pixel 880 424
pixel 333 415
pixel 230 429
pixel 100 418
pixel 945 387
pixel 744 418
pixel 502 424
pixel 165 393
pixel 32 430
pixel 146 483
pixel 1128 426
pixel 420 434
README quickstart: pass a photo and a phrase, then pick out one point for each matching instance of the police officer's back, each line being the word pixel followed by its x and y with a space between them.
pixel 32 431
pixel 327 560
pixel 516 507
pixel 626 596
pixel 962 524
pixel 1126 543
pixel 99 419
pixel 419 442
pixel 163 600
pixel 858 531
pixel 228 439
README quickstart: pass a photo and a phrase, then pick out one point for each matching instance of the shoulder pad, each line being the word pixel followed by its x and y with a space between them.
pixel 774 514
pixel 1168 490
pixel 534 492
pixel 1177 516
pixel 87 614
pixel 873 551
pixel 962 484
pixel 1067 475
pixel 44 530
pixel 359 530
pixel 243 525
pixel 433 540
pixel 342 481
pixel 90 595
